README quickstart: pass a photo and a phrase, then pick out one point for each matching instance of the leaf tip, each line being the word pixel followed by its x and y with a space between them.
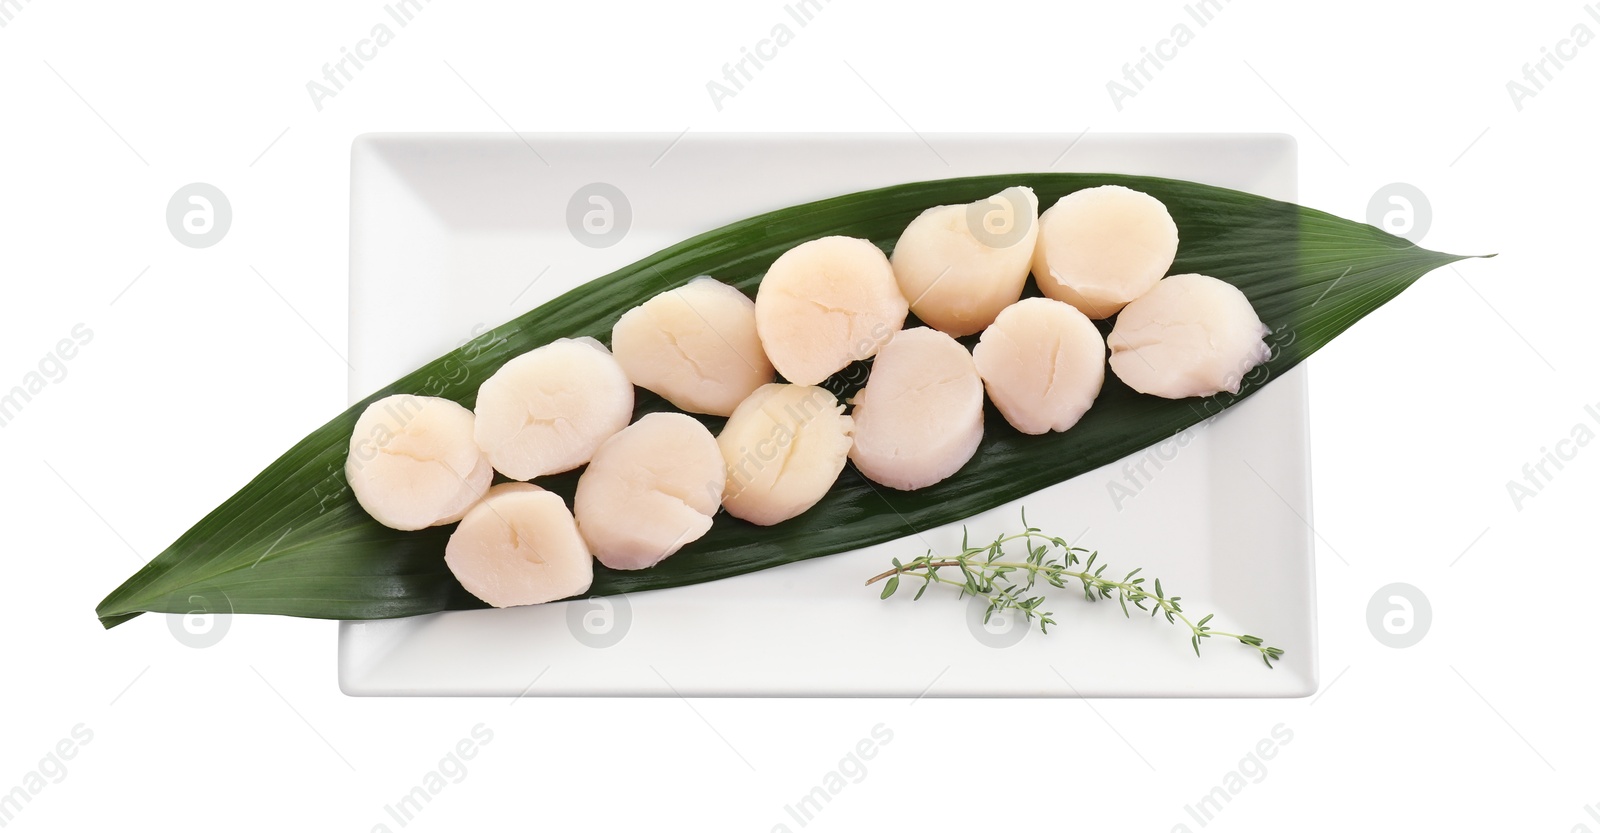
pixel 109 621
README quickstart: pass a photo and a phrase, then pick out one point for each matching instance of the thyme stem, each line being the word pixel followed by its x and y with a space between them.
pixel 1051 559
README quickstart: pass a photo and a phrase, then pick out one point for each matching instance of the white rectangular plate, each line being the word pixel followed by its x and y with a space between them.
pixel 452 234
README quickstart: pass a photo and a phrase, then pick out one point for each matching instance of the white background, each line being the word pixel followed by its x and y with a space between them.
pixel 201 371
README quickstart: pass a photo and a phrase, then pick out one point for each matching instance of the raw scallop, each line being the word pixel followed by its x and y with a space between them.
pixel 519 546
pixel 1192 335
pixel 920 416
pixel 696 346
pixel 783 448
pixel 1043 363
pixel 1102 247
pixel 826 303
pixel 413 462
pixel 650 489
pixel 547 410
pixel 960 265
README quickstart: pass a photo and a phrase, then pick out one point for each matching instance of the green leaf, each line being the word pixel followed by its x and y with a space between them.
pixel 294 542
pixel 890 586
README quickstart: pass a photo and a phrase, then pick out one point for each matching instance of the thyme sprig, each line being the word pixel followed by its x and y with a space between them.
pixel 1008 584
